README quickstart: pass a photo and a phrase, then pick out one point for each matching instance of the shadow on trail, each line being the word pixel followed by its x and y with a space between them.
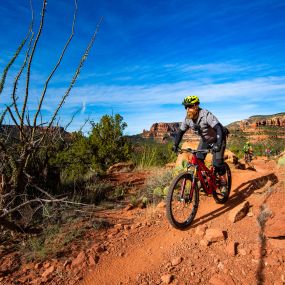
pixel 243 191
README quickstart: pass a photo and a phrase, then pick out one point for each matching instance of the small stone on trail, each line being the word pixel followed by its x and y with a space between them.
pixel 176 261
pixel 231 248
pixel 48 271
pixel 204 242
pixel 79 260
pixel 200 230
pixel 214 235
pixel 167 278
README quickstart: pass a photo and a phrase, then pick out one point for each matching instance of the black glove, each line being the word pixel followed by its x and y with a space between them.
pixel 175 148
pixel 216 147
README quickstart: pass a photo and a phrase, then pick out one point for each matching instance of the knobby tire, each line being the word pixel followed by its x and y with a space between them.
pixel 177 205
pixel 220 198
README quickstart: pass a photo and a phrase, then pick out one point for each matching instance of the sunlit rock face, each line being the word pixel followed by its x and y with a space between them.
pixel 164 131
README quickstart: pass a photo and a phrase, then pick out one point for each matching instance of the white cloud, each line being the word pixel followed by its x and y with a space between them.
pixel 142 105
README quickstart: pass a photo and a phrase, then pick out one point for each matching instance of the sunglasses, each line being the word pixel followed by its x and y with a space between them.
pixel 189 106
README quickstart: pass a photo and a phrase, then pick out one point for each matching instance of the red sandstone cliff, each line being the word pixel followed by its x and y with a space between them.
pixel 163 131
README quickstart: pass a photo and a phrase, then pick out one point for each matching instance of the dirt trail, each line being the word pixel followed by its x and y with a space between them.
pixel 145 252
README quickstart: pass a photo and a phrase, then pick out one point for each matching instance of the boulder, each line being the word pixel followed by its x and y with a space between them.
pixel 214 235
pixel 121 167
pixel 230 157
pixel 79 260
pixel 167 278
pixel 239 212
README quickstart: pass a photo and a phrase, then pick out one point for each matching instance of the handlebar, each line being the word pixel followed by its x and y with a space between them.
pixel 194 151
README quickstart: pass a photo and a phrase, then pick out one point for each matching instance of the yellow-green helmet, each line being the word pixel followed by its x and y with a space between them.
pixel 191 100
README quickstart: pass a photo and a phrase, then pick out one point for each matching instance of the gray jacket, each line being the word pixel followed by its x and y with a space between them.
pixel 203 126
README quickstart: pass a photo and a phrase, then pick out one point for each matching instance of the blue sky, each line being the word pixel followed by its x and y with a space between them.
pixel 149 55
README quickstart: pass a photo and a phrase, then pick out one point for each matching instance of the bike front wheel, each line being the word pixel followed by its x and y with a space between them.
pixel 182 201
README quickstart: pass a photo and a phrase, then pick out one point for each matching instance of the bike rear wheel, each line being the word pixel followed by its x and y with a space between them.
pixel 182 201
pixel 218 195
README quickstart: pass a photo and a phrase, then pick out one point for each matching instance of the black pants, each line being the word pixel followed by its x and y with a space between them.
pixel 218 157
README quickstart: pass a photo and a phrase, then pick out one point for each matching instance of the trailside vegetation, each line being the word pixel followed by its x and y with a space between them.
pixel 27 146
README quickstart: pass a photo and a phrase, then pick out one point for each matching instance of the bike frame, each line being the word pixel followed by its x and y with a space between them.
pixel 200 166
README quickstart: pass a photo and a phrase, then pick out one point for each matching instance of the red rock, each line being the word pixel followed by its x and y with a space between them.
pixel 214 235
pixel 221 280
pixel 48 271
pixel 167 278
pixel 231 248
pixel 277 243
pixel 91 260
pixel 79 260
pixel 121 167
pixel 46 265
pixel 200 230
pixel 176 261
pixel 205 242
pixel 239 212
pixel 27 278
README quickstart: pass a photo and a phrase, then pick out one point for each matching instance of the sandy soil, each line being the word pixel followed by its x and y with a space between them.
pixel 138 246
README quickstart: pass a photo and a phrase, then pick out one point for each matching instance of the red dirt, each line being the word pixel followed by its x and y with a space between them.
pixel 144 254
pixel 142 248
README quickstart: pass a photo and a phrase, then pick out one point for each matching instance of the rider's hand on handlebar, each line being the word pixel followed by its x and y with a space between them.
pixel 175 148
pixel 216 147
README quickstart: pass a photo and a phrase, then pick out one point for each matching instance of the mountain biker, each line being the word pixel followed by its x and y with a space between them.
pixel 211 132
pixel 247 149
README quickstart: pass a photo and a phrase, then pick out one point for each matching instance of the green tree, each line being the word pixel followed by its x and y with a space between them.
pixel 108 145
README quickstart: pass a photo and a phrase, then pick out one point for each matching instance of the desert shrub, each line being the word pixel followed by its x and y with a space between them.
pixel 156 187
pixel 74 159
pixel 50 242
pixel 96 192
pixel 150 153
pixel 104 146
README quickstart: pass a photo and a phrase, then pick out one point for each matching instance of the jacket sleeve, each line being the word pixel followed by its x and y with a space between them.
pixel 178 137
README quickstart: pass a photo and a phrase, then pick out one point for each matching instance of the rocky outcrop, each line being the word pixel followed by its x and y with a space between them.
pixel 260 128
pixel 164 131
pixel 277 120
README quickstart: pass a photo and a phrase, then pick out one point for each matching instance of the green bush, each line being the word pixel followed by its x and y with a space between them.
pixel 74 159
pixel 104 146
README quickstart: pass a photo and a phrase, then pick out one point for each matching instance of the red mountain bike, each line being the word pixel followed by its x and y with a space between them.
pixel 183 195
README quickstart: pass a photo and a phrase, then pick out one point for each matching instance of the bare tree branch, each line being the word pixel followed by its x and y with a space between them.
pixel 24 63
pixel 15 122
pixel 83 58
pixel 55 68
pixel 30 63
